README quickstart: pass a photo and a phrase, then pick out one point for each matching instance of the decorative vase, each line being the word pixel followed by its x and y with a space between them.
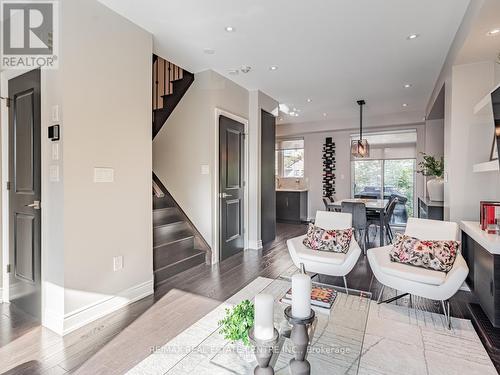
pixel 435 188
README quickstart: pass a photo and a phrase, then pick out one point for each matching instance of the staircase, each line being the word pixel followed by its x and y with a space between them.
pixel 177 244
pixel 170 83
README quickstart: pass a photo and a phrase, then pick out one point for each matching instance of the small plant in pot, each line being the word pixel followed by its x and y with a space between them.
pixel 235 327
pixel 432 167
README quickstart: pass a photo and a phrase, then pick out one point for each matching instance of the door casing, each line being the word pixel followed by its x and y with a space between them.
pixel 215 184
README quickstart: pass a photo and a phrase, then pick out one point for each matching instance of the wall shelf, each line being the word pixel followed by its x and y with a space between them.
pixel 489 166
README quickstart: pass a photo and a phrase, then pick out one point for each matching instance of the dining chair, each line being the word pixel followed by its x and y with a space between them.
pixel 359 221
pixel 327 202
pixel 389 212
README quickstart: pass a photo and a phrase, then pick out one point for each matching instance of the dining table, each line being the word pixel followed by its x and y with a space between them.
pixel 373 205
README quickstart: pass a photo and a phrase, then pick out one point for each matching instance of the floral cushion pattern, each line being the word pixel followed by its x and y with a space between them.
pixel 434 255
pixel 337 241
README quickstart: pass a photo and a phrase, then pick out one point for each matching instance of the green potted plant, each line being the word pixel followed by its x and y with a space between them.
pixel 235 326
pixel 430 166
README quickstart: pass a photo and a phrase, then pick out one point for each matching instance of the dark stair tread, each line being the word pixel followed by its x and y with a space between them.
pixel 166 216
pixel 165 273
pixel 174 256
pixel 166 238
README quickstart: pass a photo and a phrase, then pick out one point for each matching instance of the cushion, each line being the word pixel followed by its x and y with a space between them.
pixel 380 260
pixel 434 255
pixel 334 240
pixel 326 257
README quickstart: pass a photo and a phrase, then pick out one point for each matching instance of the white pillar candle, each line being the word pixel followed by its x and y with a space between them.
pixel 264 317
pixel 301 296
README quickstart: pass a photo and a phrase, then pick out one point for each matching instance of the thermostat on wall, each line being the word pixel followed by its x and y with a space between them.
pixel 54 134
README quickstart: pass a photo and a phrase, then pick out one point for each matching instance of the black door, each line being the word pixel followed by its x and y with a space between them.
pixel 25 192
pixel 231 186
pixel 268 178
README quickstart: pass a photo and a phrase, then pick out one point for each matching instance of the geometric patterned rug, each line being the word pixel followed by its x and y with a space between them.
pixel 398 340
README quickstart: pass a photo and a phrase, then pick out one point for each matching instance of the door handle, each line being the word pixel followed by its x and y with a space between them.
pixel 224 195
pixel 35 205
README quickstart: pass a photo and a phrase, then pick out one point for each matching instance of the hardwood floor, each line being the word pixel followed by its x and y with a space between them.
pixel 119 341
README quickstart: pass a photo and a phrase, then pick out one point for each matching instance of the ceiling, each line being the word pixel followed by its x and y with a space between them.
pixel 331 51
pixel 479 46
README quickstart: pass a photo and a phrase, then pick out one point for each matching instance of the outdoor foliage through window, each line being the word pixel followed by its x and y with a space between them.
pixel 290 158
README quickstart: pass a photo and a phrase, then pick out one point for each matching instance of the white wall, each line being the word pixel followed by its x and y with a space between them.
pixel 187 141
pixel 313 151
pixel 468 140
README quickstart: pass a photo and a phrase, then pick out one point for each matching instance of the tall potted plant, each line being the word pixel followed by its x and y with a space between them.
pixel 432 167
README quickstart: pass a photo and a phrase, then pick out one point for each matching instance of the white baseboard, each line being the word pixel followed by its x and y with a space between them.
pixel 255 244
pixel 1 294
pixel 83 316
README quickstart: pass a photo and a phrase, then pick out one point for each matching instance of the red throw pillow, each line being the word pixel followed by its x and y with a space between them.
pixel 335 240
pixel 434 255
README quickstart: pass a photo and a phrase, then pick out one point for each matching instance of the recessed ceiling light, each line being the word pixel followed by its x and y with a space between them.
pixel 274 67
pixel 280 118
pixel 408 85
pixel 209 51
pixel 412 36
pixel 405 105
pixel 494 32
pixel 230 29
pixel 245 68
pixel 309 100
pixel 234 72
pixel 324 114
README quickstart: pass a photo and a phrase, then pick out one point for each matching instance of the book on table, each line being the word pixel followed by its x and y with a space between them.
pixel 321 297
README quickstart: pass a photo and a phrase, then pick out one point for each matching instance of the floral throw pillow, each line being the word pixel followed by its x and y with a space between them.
pixel 337 241
pixel 434 255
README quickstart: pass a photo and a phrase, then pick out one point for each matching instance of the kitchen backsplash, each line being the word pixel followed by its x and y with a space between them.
pixel 291 183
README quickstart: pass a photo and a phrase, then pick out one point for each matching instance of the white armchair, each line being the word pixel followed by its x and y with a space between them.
pixel 435 285
pixel 325 262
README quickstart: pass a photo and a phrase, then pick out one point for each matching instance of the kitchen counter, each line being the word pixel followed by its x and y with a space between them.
pixel 292 190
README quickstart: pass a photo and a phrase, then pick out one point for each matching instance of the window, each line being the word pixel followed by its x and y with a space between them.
pixel 389 170
pixel 290 158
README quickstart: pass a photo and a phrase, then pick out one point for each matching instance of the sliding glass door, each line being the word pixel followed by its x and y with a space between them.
pixel 377 179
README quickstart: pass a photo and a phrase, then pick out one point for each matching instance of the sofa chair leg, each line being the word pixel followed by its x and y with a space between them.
pixel 446 310
pixel 345 285
pixel 379 299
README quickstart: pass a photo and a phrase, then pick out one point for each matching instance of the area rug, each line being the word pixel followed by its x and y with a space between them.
pixel 398 340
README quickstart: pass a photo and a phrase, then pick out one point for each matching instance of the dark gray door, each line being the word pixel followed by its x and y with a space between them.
pixel 25 192
pixel 231 186
pixel 268 178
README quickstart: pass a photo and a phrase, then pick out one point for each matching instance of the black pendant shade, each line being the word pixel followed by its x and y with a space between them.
pixel 360 148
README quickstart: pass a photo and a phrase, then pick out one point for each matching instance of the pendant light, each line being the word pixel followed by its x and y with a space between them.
pixel 360 148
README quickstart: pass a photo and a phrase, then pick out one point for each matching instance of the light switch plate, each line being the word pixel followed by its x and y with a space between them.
pixel 54 173
pixel 205 169
pixel 104 175
pixel 55 151
pixel 117 263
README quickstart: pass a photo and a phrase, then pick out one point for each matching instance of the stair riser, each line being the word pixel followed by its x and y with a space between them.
pixel 170 232
pixel 166 216
pixel 171 253
pixel 163 202
pixel 164 274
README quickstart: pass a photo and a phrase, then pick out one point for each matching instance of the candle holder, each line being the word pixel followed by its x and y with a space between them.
pixel 264 350
pixel 300 339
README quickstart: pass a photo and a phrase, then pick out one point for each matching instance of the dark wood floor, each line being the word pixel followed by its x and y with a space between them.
pixel 117 342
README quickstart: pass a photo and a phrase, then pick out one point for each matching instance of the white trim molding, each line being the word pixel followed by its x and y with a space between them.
pixel 215 183
pixel 64 324
pixel 255 244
